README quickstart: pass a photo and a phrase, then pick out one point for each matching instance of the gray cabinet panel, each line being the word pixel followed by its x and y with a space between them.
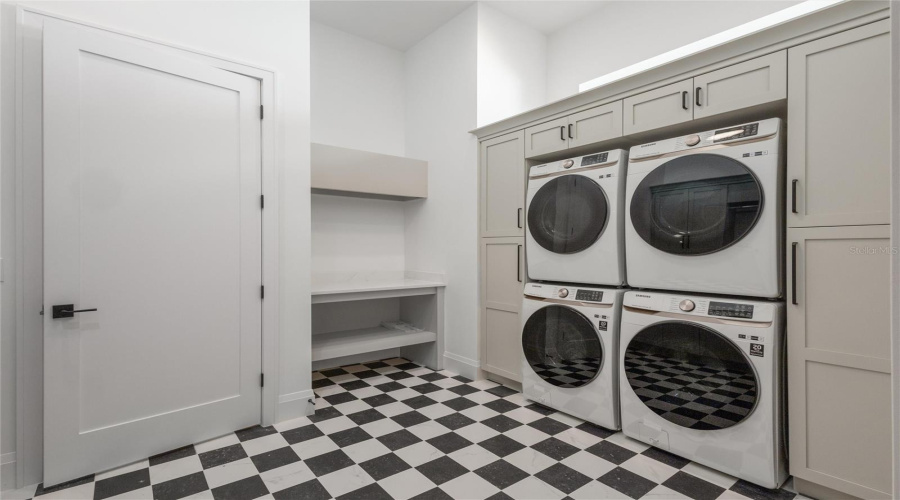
pixel 839 129
pixel 742 85
pixel 502 165
pixel 839 358
pixel 595 124
pixel 659 107
pixel 502 286
pixel 547 137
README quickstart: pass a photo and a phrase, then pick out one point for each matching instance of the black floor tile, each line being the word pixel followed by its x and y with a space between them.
pixel 379 400
pixel 349 436
pixel 462 390
pixel 501 406
pixel 399 439
pixel 376 364
pixel 275 459
pixel 756 492
pixel 301 434
pixel 501 445
pixel 61 486
pixel 449 442
pixel 407 366
pixel 398 376
pixel 460 404
pixel 341 397
pixel 410 418
pixel 441 470
pixel 543 410
pixel 353 385
pixel 610 452
pixel 328 462
pixel 627 482
pixel 426 388
pixel 454 421
pixel 549 426
pixel 563 478
pixel 180 487
pixel 122 483
pixel 245 489
pixel 501 423
pixel 666 458
pixel 255 432
pixel 214 458
pixel 371 492
pixel 501 391
pixel 555 449
pixel 500 496
pixel 419 402
pixel 433 494
pixel 184 451
pixel 324 414
pixel 334 372
pixel 693 486
pixel 460 378
pixel 310 490
pixel 501 474
pixel 367 374
pixel 366 416
pixel 384 466
pixel 390 386
pixel 431 377
pixel 595 430
pixel 324 382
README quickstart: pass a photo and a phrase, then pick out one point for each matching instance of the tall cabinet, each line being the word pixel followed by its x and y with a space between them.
pixel 838 255
pixel 502 235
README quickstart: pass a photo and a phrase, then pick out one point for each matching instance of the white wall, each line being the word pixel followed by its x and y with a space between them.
pixel 357 92
pixel 441 231
pixel 512 66
pixel 622 33
pixel 358 102
pixel 274 35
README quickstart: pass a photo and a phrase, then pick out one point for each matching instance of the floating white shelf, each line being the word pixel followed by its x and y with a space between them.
pixel 342 292
pixel 351 172
pixel 348 343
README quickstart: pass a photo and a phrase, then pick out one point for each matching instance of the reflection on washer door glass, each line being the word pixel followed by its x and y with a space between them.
pixel 562 346
pixel 696 204
pixel 691 376
pixel 568 214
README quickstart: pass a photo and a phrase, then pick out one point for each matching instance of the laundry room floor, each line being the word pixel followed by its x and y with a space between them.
pixel 393 429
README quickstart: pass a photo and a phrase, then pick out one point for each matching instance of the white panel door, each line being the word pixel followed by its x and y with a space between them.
pixel 151 216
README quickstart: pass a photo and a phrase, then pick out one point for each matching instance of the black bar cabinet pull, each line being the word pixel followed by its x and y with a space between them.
pixel 519 218
pixel 562 133
pixel 519 263
pixel 794 196
pixel 697 97
pixel 570 132
pixel 684 97
pixel 68 311
pixel 794 273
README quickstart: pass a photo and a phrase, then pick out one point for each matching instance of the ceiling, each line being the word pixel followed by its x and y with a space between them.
pixel 546 16
pixel 396 24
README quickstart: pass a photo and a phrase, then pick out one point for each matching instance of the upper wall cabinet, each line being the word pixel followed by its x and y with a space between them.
pixel 749 83
pixel 839 119
pixel 587 127
pixel 363 174
pixel 503 185
pixel 659 107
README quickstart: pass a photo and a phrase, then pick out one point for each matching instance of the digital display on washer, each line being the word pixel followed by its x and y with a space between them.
pixel 589 295
pixel 728 134
pixel 594 159
pixel 730 310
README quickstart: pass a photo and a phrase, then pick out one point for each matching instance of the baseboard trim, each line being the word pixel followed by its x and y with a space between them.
pixel 466 367
pixel 8 471
pixel 295 405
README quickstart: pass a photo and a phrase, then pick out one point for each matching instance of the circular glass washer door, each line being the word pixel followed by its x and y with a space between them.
pixel 562 346
pixel 696 204
pixel 691 375
pixel 568 214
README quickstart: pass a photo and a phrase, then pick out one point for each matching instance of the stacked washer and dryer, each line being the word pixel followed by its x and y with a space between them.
pixel 690 359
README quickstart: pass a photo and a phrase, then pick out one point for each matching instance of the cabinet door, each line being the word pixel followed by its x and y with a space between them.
pixel 503 185
pixel 502 286
pixel 749 83
pixel 547 137
pixel 838 351
pixel 595 124
pixel 839 125
pixel 659 107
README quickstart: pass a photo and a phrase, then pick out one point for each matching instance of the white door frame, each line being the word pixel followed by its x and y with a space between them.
pixel 29 227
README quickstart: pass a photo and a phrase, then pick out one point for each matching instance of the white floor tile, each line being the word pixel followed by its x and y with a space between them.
pixel 524 415
pixel 482 397
pixel 479 413
pixel 138 494
pixel 175 469
pixel 435 412
pixel 381 427
pixel 477 432
pixel 473 457
pixel 406 484
pixel 567 419
pixel 595 490
pixel 345 480
pixel 588 464
pixel 287 476
pixel 649 468
pixel 229 473
pixel 314 447
pixel 419 453
pixel 366 392
pixel 81 492
pixel 220 442
pixel 366 450
pixel 530 460
pixel 442 395
pixel 447 382
pixel 428 430
pixel 393 409
pixel 263 444
pixel 627 443
pixel 351 407
pixel 526 435
pixel 532 488
pixel 578 438
pixel 333 425
pixel 484 384
pixel 713 476
pixel 469 485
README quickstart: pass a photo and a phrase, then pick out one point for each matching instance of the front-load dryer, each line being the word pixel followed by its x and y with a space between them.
pixel 705 212
pixel 575 220
pixel 701 377
pixel 570 343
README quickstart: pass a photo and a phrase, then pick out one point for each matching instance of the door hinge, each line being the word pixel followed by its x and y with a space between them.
pixel 262 201
pixel 262 291
pixel 261 113
pixel 262 379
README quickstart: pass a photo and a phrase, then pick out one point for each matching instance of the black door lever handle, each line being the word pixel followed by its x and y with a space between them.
pixel 68 311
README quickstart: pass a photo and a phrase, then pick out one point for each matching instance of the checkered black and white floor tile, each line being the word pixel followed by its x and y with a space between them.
pixel 393 429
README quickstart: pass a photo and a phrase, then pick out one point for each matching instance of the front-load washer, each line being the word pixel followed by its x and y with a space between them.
pixel 570 343
pixel 575 220
pixel 705 212
pixel 701 377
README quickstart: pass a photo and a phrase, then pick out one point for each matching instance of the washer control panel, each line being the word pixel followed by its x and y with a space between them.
pixel 737 134
pixel 693 306
pixel 587 161
pixel 730 310
pixel 605 159
pixel 568 293
pixel 585 295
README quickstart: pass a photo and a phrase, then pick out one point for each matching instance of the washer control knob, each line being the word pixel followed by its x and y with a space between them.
pixel 563 293
pixel 568 163
pixel 687 305
pixel 692 140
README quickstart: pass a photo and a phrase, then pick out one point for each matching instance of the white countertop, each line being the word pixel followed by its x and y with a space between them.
pixel 326 288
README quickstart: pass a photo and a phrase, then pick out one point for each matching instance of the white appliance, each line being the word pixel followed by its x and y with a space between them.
pixel 701 377
pixel 575 220
pixel 570 341
pixel 705 212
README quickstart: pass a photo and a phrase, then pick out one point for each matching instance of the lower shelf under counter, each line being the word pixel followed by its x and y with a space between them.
pixel 352 342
